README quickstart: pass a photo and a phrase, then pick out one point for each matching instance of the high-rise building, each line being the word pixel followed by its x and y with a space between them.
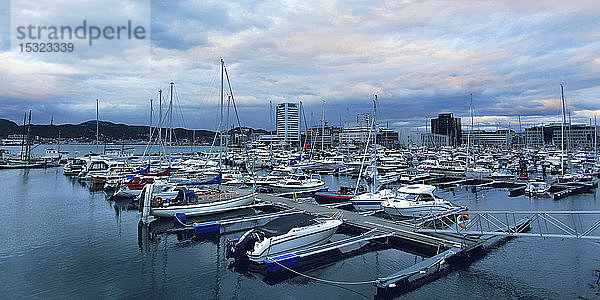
pixel 502 137
pixel 360 132
pixel 448 125
pixel 364 120
pixel 323 137
pixel 387 138
pixel 288 122
pixel 575 137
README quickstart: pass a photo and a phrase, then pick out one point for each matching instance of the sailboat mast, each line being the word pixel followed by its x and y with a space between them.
pixel 426 131
pixel 97 121
pixel 520 131
pixel 323 129
pixel 300 129
pixel 375 143
pixel 171 116
pixel 23 147
pixel 227 136
pixel 470 132
pixel 150 127
pixel 221 118
pixel 28 138
pixel 595 140
pixel 562 129
pixel 270 132
pixel 160 144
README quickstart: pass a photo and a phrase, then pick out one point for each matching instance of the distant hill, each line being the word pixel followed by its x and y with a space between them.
pixel 108 131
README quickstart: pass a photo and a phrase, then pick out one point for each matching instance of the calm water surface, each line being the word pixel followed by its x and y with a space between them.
pixel 61 240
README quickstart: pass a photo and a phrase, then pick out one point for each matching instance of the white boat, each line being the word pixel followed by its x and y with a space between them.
pixel 282 235
pixel 297 183
pixel 130 188
pixel 272 178
pixel 415 201
pixel 372 200
pixel 478 172
pixel 537 188
pixel 502 174
pixel 168 200
pixel 74 166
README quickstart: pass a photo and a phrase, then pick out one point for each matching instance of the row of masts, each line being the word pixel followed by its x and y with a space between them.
pixel 25 139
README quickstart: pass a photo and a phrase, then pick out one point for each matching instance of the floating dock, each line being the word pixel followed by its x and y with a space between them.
pixel 367 229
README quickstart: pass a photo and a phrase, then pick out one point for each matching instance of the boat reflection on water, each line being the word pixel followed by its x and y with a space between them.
pixel 151 232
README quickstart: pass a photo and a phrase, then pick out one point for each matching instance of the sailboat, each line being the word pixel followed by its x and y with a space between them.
pixel 371 200
pixel 25 160
pixel 169 199
pixel 473 170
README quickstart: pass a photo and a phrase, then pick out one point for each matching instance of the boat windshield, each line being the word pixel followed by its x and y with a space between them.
pixel 415 197
pixel 408 197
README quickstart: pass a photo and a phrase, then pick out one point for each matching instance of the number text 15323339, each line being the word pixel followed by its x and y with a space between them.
pixel 46 47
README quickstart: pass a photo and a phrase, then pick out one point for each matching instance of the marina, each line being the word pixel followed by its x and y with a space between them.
pixel 284 214
pixel 441 245
pixel 299 150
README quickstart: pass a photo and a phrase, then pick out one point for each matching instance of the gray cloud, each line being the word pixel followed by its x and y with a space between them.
pixel 421 57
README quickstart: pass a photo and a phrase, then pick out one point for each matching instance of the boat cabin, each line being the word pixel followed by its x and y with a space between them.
pixel 417 192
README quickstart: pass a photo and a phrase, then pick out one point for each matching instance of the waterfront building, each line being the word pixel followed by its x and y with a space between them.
pixel 448 125
pixel 387 138
pixel 575 137
pixel 323 137
pixel 502 137
pixel 287 117
pixel 364 120
pixel 13 140
pixel 356 135
pixel 434 140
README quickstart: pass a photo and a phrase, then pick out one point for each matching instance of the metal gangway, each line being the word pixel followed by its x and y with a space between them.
pixel 544 224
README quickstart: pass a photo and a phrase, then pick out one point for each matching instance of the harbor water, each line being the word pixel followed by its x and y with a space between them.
pixel 60 239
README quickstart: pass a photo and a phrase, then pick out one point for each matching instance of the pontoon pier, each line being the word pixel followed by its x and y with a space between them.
pixel 440 244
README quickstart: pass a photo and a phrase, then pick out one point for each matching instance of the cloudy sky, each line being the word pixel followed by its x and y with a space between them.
pixel 420 57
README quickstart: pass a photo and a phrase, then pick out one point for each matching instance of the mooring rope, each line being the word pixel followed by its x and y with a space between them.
pixel 439 261
pixel 180 222
pixel 324 280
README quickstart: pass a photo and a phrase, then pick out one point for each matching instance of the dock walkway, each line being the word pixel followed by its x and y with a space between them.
pixel 401 230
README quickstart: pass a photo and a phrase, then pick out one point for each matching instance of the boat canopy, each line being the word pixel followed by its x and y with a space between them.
pixel 283 224
pixel 417 189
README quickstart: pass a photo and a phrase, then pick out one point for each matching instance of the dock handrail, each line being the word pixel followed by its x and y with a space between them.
pixel 545 224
